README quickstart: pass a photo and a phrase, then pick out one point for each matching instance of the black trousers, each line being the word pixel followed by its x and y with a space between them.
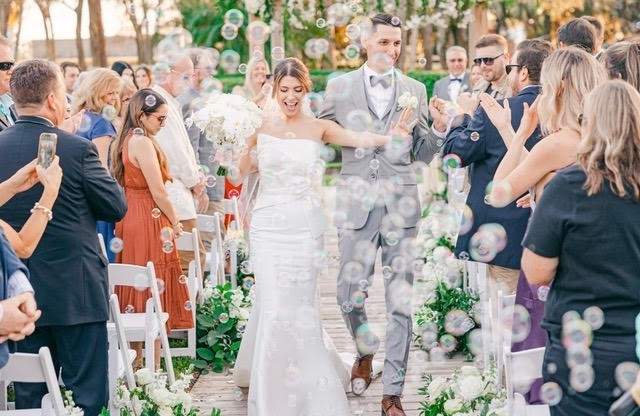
pixel 82 353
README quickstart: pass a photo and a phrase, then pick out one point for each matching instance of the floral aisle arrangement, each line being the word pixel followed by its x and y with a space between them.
pixel 223 315
pixel 448 320
pixel 467 393
pixel 228 120
pixel 152 396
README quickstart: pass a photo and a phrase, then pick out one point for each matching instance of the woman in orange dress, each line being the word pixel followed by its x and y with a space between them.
pixel 150 226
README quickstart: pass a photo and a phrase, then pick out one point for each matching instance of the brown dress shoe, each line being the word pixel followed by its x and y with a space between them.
pixel 391 406
pixel 361 374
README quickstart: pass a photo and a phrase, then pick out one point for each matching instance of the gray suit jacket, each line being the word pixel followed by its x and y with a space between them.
pixel 441 87
pixel 347 93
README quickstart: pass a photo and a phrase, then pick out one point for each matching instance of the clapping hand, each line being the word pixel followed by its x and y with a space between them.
pixel 406 122
pixel 468 102
pixel 438 113
pixel 499 115
pixel 529 120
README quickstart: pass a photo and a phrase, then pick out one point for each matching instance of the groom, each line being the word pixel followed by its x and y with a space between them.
pixel 378 205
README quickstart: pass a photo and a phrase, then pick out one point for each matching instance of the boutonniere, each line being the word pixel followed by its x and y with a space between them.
pixel 407 100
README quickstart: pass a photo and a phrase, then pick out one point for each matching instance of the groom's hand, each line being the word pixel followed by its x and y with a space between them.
pixel 437 112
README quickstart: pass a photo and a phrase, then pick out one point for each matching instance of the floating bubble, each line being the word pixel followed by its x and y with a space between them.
pixel 366 340
pixel 229 31
pixel 182 279
pixel 352 52
pixel 277 53
pixel 387 272
pixel 451 162
pixel 242 68
pixel 448 343
pixel 474 341
pixel 210 181
pixel 551 393
pixel 576 333
pixel 187 305
pixel 581 378
pixel 155 213
pixel 223 318
pixel 359 153
pixel 395 20
pixel 258 31
pixel 353 32
pixel 474 136
pixel 521 326
pixel 339 14
pixel 234 17
pixel 167 247
pixel 116 245
pixel 248 282
pixel 422 61
pixel 161 285
pixel 626 374
pixel 458 323
pixel 109 112
pixel 437 354
pixel 374 164
pixel 321 23
pixel 166 234
pixel 347 307
pixel 466 221
pixel 229 60
pixel 149 101
pixel 594 317
pixel 129 309
pixel 579 355
pixel 543 293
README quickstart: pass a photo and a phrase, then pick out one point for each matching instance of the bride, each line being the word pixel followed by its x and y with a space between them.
pixel 283 356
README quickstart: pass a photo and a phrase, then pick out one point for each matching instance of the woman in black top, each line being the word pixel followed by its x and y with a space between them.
pixel 585 238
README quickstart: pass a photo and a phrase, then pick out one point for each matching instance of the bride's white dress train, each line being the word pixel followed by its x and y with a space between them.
pixel 290 367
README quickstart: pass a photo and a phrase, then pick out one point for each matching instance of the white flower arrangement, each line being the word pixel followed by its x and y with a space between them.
pixel 468 392
pixel 70 405
pixel 406 100
pixel 152 396
pixel 227 120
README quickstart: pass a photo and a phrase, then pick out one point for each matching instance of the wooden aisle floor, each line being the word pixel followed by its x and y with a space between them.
pixel 218 391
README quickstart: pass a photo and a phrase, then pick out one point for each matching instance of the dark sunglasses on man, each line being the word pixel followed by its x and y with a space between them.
pixel 488 61
pixel 511 67
pixel 5 66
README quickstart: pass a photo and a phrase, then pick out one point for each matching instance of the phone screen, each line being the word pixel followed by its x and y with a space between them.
pixel 47 149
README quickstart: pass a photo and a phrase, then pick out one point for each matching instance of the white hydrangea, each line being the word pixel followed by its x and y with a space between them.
pixel 470 387
pixel 162 397
pixel 436 387
pixel 145 376
pixel 452 406
pixel 406 100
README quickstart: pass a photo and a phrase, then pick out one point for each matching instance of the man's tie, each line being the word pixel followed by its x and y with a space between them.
pixel 456 80
pixel 4 116
pixel 384 80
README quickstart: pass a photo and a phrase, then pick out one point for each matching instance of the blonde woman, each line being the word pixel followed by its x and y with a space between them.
pixel 585 237
pixel 255 79
pixel 128 89
pixel 99 96
pixel 622 61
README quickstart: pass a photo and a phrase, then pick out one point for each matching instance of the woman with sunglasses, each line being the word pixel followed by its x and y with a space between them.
pixel 149 228
pixel 566 77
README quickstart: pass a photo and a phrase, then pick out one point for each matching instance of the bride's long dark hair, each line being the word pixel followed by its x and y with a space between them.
pixel 292 67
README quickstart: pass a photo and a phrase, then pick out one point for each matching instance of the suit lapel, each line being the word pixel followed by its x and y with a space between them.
pixel 394 98
pixel 4 123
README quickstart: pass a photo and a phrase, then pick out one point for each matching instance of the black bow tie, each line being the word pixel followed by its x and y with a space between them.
pixel 456 80
pixel 384 80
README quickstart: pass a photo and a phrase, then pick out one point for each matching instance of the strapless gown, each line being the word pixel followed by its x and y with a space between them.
pixel 290 367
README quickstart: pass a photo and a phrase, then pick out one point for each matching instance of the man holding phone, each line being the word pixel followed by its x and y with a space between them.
pixel 68 271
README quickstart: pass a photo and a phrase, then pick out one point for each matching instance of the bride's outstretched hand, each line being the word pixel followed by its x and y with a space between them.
pixel 499 115
pixel 529 120
pixel 406 122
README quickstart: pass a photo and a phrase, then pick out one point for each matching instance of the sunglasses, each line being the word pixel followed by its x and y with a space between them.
pixel 5 66
pixel 510 67
pixel 488 61
pixel 161 119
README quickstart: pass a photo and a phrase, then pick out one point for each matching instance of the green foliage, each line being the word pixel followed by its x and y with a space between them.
pixel 216 412
pixel 447 299
pixel 435 408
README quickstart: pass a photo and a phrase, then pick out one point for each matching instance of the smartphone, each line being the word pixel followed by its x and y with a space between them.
pixel 47 149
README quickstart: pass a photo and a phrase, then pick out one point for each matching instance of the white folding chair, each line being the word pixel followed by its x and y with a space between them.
pixel 522 368
pixel 149 325
pixel 475 280
pixel 502 331
pixel 33 368
pixel 214 259
pixel 121 357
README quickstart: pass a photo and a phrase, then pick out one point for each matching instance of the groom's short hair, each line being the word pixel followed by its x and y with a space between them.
pixel 386 20
pixel 531 54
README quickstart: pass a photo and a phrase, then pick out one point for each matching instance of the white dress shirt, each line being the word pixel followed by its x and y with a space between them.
pixel 183 168
pixel 455 86
pixel 379 96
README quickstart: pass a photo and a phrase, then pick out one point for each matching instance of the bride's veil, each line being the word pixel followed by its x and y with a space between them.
pixel 252 180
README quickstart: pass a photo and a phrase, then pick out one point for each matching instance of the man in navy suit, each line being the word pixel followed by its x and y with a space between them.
pixel 479 145
pixel 68 270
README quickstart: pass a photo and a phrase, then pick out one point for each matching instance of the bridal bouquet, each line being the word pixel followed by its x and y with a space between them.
pixel 467 393
pixel 228 120
pixel 153 396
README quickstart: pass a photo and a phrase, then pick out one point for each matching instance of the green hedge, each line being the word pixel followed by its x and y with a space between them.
pixel 319 78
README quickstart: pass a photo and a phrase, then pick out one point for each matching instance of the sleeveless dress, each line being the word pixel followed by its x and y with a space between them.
pixel 140 234
pixel 284 358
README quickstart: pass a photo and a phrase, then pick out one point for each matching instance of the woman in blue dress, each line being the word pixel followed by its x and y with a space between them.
pixel 99 96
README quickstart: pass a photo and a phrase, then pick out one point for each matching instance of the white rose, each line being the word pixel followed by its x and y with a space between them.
pixel 184 398
pixel 436 387
pixel 470 387
pixel 138 405
pixel 165 411
pixel 452 406
pixel 162 397
pixel 145 376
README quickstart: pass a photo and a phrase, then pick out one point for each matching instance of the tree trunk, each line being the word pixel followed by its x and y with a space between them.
pixel 412 49
pixel 137 28
pixel 477 27
pixel 98 46
pixel 43 5
pixel 82 62
pixel 427 45
pixel 5 11
pixel 20 4
pixel 402 59
pixel 277 34
pixel 147 56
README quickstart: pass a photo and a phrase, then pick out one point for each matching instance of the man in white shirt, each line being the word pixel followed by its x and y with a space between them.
pixel 450 87
pixel 187 183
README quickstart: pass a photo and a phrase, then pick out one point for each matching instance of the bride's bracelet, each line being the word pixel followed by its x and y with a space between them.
pixel 45 210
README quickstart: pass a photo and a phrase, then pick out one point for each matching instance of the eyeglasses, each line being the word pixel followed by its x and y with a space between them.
pixel 161 119
pixel 510 67
pixel 5 66
pixel 488 61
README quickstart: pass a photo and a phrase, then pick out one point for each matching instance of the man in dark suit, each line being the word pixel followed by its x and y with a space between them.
pixel 479 145
pixel 457 82
pixel 7 111
pixel 68 270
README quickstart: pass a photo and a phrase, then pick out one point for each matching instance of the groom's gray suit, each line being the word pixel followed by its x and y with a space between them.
pixel 378 206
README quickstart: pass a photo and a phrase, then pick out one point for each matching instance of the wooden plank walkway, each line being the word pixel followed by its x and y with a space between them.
pixel 218 391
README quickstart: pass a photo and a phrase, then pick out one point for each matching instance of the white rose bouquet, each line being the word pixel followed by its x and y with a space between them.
pixel 467 392
pixel 406 100
pixel 228 120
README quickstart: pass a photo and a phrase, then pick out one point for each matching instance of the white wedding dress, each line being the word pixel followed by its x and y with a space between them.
pixel 286 360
